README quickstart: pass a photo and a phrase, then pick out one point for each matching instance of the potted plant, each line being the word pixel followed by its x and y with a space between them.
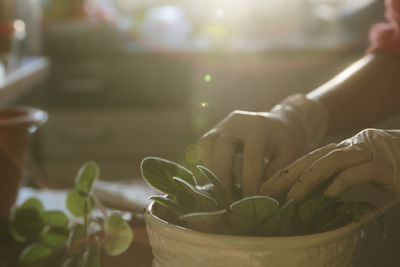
pixel 205 224
pixel 34 237
pixel 17 124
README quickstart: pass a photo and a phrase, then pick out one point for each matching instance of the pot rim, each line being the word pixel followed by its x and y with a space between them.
pixel 28 114
pixel 175 232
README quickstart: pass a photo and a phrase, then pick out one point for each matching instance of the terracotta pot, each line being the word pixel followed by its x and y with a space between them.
pixel 16 125
pixel 175 246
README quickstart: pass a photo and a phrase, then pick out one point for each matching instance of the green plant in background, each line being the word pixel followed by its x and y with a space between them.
pixel 51 238
pixel 212 208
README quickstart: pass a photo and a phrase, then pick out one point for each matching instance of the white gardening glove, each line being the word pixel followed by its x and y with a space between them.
pixel 279 136
pixel 372 155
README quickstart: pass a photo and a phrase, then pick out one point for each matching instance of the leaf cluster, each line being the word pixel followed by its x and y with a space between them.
pixel 213 208
pixel 51 238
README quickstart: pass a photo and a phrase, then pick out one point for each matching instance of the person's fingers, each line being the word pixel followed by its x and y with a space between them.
pixel 281 154
pixel 325 167
pixel 253 166
pixel 283 179
pixel 206 144
pixel 359 174
pixel 279 159
pixel 222 159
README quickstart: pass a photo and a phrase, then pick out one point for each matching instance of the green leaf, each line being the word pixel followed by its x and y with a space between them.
pixel 289 204
pixel 203 200
pixel 186 203
pixel 118 235
pixel 75 203
pixel 272 225
pixel 287 218
pixel 236 224
pixel 257 207
pixel 308 209
pixel 167 202
pixel 27 222
pixel 356 209
pixel 223 193
pixel 32 203
pixel 34 253
pixel 203 221
pixel 94 254
pixel 87 174
pixel 54 237
pixel 71 262
pixel 55 218
pixel 210 190
pixel 160 172
pixel 237 192
pixel 282 222
pixel 16 235
pixel 91 255
pixel 76 235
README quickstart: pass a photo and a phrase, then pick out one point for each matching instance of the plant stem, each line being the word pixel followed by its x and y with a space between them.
pixel 99 205
pixel 85 216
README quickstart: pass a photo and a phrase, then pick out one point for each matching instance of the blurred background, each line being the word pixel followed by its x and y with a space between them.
pixel 125 79
pixel 130 78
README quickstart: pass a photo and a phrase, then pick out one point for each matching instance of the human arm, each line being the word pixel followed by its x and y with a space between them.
pixel 372 82
pixel 366 92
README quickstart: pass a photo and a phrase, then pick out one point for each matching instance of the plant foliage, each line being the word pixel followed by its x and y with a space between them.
pixel 215 209
pixel 50 238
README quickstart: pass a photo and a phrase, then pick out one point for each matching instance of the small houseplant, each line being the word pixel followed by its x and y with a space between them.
pixel 34 237
pixel 208 225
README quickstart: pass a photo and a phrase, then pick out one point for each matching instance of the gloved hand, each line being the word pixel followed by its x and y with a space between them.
pixel 372 155
pixel 279 136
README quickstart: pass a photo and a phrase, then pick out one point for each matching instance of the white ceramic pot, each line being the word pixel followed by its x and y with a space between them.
pixel 175 246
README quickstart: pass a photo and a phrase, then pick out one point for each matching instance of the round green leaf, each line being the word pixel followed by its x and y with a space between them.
pixel 27 222
pixel 34 253
pixel 209 218
pixel 258 207
pixel 55 218
pixel 159 173
pixel 75 203
pixel 86 176
pixel 32 203
pixel 118 235
pixel 206 202
pixel 223 193
pixel 203 221
pixel 310 208
pixel 16 235
pixel 167 202
pixel 54 237
pixel 91 256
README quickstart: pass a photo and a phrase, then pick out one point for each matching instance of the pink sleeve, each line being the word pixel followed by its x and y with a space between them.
pixel 386 36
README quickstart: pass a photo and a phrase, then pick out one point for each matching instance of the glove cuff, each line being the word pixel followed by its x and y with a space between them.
pixel 311 113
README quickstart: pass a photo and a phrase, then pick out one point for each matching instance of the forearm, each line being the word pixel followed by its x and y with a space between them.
pixel 366 92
